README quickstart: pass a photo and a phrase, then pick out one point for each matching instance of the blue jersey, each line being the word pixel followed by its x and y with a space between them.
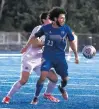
pixel 55 39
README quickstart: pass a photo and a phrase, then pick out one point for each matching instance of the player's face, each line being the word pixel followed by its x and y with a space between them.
pixel 61 19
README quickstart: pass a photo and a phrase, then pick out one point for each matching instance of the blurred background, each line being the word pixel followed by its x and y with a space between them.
pixel 19 17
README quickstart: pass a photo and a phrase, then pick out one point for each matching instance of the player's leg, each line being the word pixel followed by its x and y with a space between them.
pixel 45 67
pixel 52 76
pixel 26 70
pixel 39 86
pixel 62 86
pixel 62 70
pixel 51 83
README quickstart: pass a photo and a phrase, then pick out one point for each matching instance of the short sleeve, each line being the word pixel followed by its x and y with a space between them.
pixel 40 32
pixel 35 30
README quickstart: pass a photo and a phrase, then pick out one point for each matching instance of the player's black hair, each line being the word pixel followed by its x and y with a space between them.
pixel 55 12
pixel 43 16
pixel 28 27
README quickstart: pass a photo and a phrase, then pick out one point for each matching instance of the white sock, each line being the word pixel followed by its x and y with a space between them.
pixel 50 87
pixel 14 89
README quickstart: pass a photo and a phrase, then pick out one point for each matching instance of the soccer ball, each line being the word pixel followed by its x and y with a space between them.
pixel 89 51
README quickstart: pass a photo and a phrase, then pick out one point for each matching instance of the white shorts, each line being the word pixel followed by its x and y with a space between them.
pixel 31 60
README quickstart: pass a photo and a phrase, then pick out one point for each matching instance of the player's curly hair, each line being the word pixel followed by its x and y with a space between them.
pixel 55 12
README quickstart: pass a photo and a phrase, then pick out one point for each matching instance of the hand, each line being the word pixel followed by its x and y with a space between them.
pixel 23 50
pixel 76 60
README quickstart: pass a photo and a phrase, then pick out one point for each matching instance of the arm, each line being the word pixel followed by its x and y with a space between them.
pixel 73 47
pixel 24 49
pixel 35 42
pixel 73 44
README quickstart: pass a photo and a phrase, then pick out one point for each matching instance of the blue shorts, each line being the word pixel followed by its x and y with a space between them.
pixel 59 64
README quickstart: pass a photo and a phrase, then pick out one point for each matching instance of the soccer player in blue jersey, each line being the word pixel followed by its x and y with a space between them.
pixel 56 35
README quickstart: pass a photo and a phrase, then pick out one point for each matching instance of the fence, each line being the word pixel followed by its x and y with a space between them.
pixel 88 39
pixel 16 40
pixel 11 40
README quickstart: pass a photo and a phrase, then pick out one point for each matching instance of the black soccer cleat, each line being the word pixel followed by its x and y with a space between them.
pixel 63 92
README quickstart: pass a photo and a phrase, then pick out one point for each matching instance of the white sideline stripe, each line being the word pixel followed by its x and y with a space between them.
pixel 18 73
pixel 10 54
pixel 61 95
pixel 1 70
pixel 21 55
pixel 58 79
pixel 2 55
pixel 7 108
pixel 35 76
pixel 76 88
pixel 77 95
pixel 69 85
pixel 69 94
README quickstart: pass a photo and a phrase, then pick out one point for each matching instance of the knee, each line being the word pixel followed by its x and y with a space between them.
pixel 23 82
pixel 41 79
pixel 43 76
pixel 52 76
pixel 55 80
pixel 63 83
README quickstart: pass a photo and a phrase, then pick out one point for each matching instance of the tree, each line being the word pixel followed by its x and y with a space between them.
pixel 1 7
pixel 82 15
